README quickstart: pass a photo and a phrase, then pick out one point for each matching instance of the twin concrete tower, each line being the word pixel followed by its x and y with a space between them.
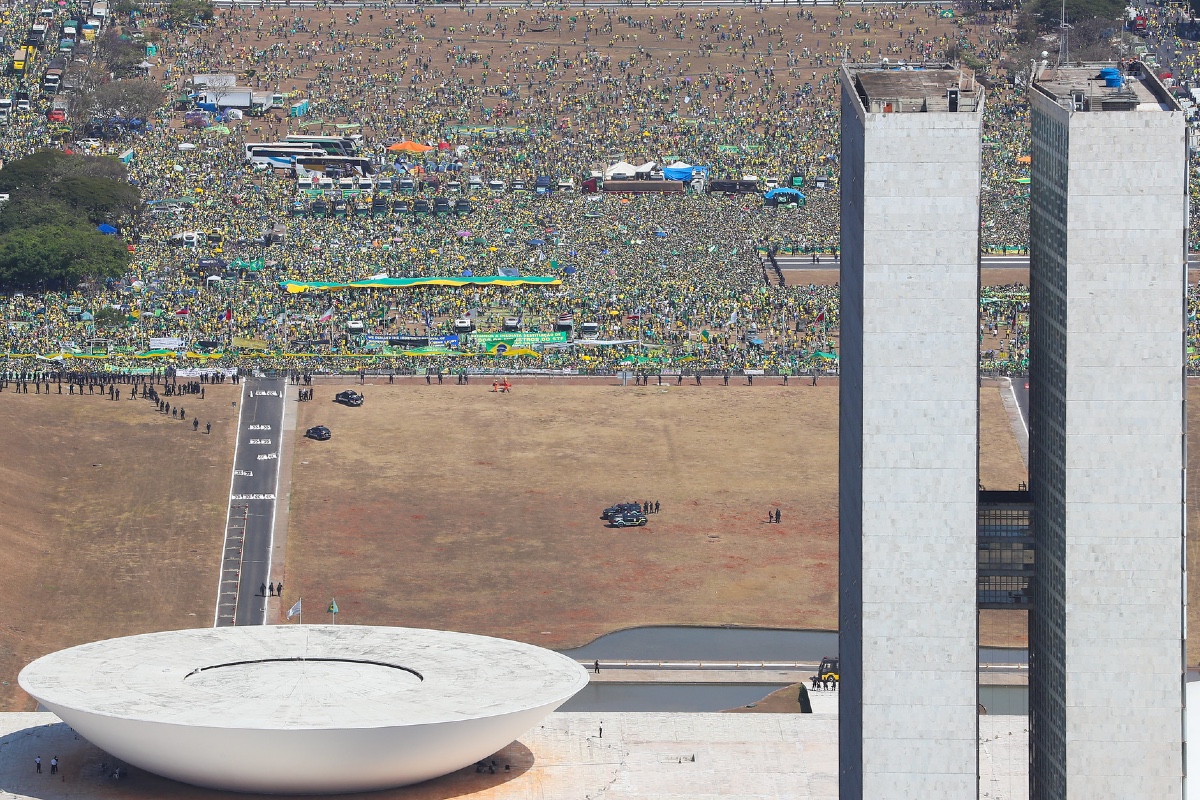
pixel 1108 321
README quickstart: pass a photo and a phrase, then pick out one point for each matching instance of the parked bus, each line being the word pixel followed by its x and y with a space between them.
pixel 331 145
pixel 342 165
pixel 278 156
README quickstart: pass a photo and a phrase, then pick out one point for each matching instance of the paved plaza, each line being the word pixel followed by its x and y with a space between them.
pixel 643 756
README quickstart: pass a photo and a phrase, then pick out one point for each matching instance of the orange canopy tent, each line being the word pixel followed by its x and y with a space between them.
pixel 409 147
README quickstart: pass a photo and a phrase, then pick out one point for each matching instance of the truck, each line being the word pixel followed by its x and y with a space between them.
pixel 52 79
pixel 100 9
pixel 1139 26
pixel 37 35
pixel 20 60
pixel 643 187
pixel 5 110
pixel 90 29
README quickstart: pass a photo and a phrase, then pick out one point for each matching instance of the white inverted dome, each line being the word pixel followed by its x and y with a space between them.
pixel 303 708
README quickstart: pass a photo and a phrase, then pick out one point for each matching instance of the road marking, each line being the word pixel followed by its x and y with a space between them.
pixel 243 473
pixel 260 441
pixel 259 428
pixel 1020 414
pixel 254 497
pixel 228 512
pixel 267 456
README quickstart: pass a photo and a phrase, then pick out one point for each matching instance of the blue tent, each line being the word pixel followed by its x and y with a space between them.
pixel 106 229
pixel 784 195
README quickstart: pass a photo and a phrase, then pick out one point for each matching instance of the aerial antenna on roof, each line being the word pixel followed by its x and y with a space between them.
pixel 1063 35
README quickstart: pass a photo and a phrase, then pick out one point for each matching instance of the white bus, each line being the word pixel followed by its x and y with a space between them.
pixel 331 145
pixel 343 165
pixel 281 156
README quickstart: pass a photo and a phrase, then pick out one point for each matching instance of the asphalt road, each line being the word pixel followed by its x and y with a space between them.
pixel 1020 386
pixel 246 564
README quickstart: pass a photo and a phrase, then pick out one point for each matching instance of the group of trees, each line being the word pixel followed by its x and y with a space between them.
pixel 48 227
pixel 175 12
pixel 1094 25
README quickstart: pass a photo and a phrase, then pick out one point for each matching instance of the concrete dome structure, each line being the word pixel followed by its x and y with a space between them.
pixel 302 708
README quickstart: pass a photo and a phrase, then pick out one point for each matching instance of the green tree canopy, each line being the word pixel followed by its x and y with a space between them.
pixel 95 185
pixel 48 233
pixel 59 255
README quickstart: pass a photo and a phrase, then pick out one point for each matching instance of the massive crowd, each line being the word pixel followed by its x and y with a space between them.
pixel 681 280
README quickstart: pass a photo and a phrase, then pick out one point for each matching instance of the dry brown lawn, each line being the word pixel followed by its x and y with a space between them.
pixel 1000 463
pixel 111 521
pixel 455 507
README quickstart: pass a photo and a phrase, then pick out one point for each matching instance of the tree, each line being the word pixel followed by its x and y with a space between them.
pixel 128 99
pixel 118 52
pixel 95 186
pixel 1047 13
pixel 181 12
pixel 57 255
pixel 218 88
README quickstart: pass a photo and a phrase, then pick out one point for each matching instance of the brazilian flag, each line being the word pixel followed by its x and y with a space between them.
pixel 704 335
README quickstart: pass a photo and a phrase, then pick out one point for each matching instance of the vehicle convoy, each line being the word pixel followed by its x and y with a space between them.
pixel 319 433
pixel 349 398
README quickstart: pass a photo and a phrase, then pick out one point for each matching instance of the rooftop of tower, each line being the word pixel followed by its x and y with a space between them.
pixel 898 88
pixel 1131 86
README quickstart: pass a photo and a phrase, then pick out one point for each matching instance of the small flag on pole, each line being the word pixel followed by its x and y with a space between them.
pixel 328 315
pixel 333 609
pixel 821 316
pixel 294 610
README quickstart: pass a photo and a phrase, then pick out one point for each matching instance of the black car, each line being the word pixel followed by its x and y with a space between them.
pixel 619 509
pixel 631 519
pixel 349 398
pixel 320 433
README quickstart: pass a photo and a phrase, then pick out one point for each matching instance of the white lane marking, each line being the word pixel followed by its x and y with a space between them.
pixel 283 409
pixel 1020 414
pixel 228 511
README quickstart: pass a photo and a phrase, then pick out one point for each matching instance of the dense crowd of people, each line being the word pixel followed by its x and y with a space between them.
pixel 676 282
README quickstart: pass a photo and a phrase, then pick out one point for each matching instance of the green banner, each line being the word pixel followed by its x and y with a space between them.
pixel 520 338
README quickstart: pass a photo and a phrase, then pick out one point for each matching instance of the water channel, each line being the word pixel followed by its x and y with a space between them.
pixel 682 643
pixel 691 644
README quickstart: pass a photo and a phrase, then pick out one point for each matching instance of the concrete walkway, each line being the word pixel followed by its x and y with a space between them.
pixel 642 756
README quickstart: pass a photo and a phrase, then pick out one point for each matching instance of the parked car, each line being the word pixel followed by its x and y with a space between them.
pixel 619 509
pixel 629 520
pixel 319 432
pixel 349 398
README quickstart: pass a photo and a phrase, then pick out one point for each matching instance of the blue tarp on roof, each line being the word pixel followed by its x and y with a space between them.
pixel 783 190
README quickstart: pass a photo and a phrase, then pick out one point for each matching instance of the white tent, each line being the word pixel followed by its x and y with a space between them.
pixel 645 169
pixel 621 168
